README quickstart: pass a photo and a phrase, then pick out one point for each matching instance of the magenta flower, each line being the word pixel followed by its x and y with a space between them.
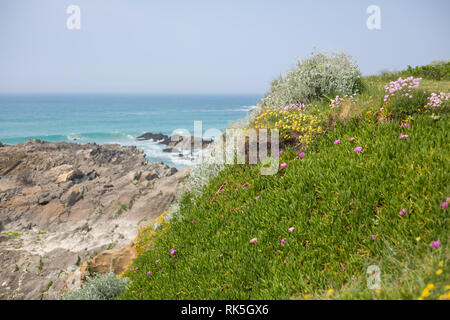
pixel 149 273
pixel 435 244
pixel 404 136
pixel 280 153
pixel 291 229
pixel 351 139
pixel 172 251
pixel 254 240
pixel 358 149
pixel 337 141
pixel 402 212
pixel 283 165
pixel 372 237
pixel 283 241
pixel 444 205
pixel 301 155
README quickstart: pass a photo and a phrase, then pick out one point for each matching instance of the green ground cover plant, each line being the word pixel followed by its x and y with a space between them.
pixel 369 188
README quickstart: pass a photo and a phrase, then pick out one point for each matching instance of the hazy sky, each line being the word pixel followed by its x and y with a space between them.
pixel 190 46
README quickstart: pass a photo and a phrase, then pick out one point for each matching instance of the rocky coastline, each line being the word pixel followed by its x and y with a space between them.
pixel 184 146
pixel 66 208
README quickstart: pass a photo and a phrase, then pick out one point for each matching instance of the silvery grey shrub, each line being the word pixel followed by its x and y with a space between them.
pixel 321 75
pixel 99 287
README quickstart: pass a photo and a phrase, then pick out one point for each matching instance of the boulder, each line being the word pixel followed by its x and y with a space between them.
pixel 152 136
pixel 115 260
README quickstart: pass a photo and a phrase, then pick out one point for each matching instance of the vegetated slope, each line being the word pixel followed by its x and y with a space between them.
pixel 314 228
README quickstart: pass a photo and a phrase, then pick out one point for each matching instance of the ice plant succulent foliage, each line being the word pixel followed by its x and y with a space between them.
pixel 378 182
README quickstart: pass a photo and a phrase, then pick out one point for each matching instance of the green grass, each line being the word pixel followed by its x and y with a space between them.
pixel 330 197
pixel 12 234
pixel 335 198
pixel 437 72
pixel 123 207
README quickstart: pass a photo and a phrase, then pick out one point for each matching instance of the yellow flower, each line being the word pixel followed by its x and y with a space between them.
pixel 447 287
pixel 418 239
pixel 425 292
pixel 307 296
pixel 330 292
pixel 430 286
pixel 441 264
pixel 419 298
pixel 438 272
pixel 444 296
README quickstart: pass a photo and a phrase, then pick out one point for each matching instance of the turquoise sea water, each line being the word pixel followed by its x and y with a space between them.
pixel 116 118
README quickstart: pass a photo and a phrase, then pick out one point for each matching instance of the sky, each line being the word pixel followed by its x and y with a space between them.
pixel 228 46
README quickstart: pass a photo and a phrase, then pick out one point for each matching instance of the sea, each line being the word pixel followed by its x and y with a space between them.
pixel 117 118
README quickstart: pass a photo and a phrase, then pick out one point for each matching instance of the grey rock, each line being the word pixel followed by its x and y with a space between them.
pixel 62 198
pixel 152 136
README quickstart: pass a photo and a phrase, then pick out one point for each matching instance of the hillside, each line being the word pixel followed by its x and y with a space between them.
pixel 361 198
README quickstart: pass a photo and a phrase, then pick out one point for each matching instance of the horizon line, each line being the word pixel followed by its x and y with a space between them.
pixel 126 93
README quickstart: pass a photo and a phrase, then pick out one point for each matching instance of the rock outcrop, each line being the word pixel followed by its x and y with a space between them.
pixel 177 143
pixel 115 260
pixel 153 136
pixel 62 204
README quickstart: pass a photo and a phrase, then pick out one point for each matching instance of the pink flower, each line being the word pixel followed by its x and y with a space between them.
pixel 301 155
pixel 404 136
pixel 149 273
pixel 372 237
pixel 157 261
pixel 291 229
pixel 283 241
pixel 435 244
pixel 254 240
pixel 402 212
pixel 358 149
pixel 283 165
pixel 337 141
pixel 193 221
pixel 351 139
pixel 280 153
pixel 172 251
pixel 444 205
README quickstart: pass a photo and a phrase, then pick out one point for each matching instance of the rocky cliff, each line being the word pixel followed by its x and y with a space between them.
pixel 63 204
